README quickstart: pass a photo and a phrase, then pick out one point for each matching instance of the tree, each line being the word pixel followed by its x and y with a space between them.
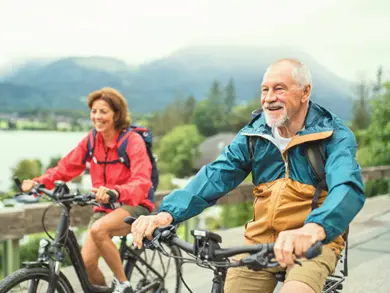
pixel 179 112
pixel 378 152
pixel 361 117
pixel 242 114
pixel 230 97
pixel 216 104
pixel 203 118
pixel 178 150
pixel 209 116
pixel 189 108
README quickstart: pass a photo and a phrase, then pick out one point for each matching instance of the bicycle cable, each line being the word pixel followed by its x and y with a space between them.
pixel 65 235
pixel 182 279
pixel 43 220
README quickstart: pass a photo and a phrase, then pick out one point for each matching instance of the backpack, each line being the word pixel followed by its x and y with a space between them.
pixel 123 140
pixel 315 156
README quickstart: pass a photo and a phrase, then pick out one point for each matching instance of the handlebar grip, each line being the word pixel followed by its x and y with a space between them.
pixel 113 199
pixel 112 196
pixel 130 220
pixel 314 251
pixel 18 183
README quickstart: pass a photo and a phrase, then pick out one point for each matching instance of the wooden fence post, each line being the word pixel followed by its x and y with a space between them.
pixel 11 256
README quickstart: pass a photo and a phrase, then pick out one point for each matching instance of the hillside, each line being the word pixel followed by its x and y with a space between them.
pixel 65 83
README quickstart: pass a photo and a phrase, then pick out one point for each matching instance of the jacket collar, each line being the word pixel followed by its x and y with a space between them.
pixel 317 120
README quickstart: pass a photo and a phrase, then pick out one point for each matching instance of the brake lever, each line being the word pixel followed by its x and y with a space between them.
pixel 155 244
pixel 275 264
pixel 255 262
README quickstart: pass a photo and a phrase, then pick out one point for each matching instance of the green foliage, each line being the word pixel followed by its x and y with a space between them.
pixel 178 149
pixel 7 195
pixel 213 114
pixel 203 116
pixel 363 138
pixel 27 169
pixel 179 112
pixel 377 187
pixel 189 108
pixel 230 97
pixel 53 162
pixel 236 215
pixel 165 182
pixel 241 114
pixel 361 113
pixel 378 133
pixel 365 156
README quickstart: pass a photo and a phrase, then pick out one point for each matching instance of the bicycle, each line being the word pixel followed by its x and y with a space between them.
pixel 206 252
pixel 52 252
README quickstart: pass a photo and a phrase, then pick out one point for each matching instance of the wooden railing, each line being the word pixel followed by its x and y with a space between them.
pixel 17 222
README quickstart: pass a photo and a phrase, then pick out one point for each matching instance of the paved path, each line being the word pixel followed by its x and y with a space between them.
pixel 369 254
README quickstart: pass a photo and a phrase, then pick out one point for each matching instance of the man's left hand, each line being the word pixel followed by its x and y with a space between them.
pixel 297 242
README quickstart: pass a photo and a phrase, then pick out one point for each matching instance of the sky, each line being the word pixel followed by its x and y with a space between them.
pixel 349 37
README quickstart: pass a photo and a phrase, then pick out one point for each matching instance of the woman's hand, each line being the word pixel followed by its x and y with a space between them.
pixel 28 184
pixel 101 194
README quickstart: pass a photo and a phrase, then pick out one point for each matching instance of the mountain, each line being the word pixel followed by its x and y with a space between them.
pixel 66 82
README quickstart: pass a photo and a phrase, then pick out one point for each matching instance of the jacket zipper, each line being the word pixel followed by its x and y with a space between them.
pixel 286 166
pixel 104 169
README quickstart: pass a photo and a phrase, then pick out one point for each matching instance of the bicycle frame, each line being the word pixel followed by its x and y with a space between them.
pixel 66 237
pixel 71 244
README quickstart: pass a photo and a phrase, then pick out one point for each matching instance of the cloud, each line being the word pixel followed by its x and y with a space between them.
pixel 342 35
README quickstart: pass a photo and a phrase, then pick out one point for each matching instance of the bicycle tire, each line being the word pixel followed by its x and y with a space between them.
pixel 26 274
pixel 131 263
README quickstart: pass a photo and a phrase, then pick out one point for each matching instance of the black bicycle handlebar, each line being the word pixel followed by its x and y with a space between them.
pixel 312 252
pixel 260 254
pixel 61 193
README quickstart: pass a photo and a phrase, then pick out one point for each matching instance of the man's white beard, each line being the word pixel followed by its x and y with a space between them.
pixel 281 121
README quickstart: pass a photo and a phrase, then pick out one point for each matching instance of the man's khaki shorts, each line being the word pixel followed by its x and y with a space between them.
pixel 313 272
pixel 134 211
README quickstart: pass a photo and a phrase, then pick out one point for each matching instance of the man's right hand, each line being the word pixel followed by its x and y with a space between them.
pixel 145 226
pixel 27 185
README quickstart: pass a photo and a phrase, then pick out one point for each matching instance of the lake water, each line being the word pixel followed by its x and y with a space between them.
pixel 42 145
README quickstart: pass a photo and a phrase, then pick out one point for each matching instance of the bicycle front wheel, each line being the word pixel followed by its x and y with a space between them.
pixel 154 267
pixel 34 280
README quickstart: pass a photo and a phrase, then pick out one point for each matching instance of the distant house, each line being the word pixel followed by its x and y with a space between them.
pixel 212 147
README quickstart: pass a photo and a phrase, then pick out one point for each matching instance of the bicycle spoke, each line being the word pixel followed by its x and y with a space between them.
pixel 158 269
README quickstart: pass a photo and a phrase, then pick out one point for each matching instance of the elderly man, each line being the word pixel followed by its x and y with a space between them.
pixel 284 184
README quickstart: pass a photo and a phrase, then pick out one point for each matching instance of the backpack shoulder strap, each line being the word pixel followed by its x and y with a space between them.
pixel 316 158
pixel 90 145
pixel 123 139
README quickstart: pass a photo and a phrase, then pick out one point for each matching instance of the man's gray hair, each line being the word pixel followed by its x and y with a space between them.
pixel 300 72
